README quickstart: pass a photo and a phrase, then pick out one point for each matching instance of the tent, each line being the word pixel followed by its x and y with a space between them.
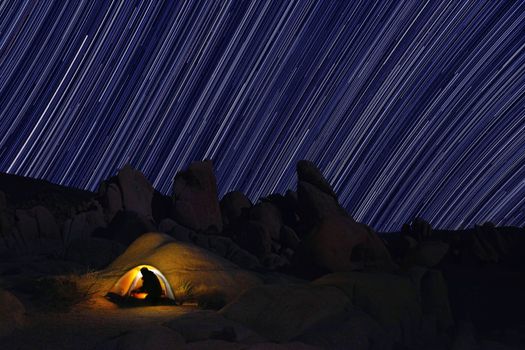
pixel 176 264
pixel 132 280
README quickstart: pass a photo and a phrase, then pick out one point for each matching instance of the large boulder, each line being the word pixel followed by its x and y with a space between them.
pixel 411 308
pixel 335 242
pixel 112 199
pixel 129 190
pixel 137 192
pixel 12 313
pixel 37 222
pixel 232 206
pixel 339 243
pixel 195 203
pixel 182 264
pixel 315 205
pixel 282 312
pixel 308 172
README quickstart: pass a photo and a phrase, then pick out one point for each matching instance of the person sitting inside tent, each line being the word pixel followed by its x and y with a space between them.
pixel 150 285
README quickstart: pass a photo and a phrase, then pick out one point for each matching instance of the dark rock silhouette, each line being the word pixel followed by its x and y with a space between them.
pixel 128 190
pixel 84 223
pixel 335 242
pixel 195 203
pixel 232 205
pixel 127 226
pixel 308 172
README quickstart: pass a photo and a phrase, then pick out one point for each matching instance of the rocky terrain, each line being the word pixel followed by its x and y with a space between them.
pixel 291 271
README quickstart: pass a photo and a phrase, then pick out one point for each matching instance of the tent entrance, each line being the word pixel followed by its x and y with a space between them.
pixel 132 280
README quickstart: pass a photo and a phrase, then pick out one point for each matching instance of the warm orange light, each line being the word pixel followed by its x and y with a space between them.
pixel 132 280
pixel 139 295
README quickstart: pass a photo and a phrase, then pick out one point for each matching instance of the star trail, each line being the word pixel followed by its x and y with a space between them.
pixel 410 108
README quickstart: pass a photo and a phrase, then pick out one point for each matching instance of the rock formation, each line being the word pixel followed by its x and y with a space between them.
pixel 195 203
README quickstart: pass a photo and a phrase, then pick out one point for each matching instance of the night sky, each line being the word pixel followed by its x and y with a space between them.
pixel 408 108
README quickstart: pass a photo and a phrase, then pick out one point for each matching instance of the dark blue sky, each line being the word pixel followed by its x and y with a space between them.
pixel 409 108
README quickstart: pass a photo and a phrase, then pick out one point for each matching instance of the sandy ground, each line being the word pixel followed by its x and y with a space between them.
pixel 86 326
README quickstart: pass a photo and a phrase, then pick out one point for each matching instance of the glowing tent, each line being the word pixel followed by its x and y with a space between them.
pixel 132 280
pixel 176 264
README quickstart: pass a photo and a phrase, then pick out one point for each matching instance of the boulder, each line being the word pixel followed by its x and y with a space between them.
pixel 111 198
pixel 332 243
pixel 127 226
pixel 427 254
pixel 181 263
pixel 148 338
pixel 308 172
pixel 137 192
pixel 202 325
pixel 282 312
pixel 195 203
pixel 274 261
pixel 166 225
pixel 289 238
pixel 232 206
pixel 393 301
pixel 420 229
pixel 335 242
pixel 12 313
pixel 36 225
pixel 84 224
pixel 268 215
pixel 255 238
pixel 351 329
pixel 315 205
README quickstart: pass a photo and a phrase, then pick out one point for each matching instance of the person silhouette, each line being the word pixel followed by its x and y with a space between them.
pixel 150 285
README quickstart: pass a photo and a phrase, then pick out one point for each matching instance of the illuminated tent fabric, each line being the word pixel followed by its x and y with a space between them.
pixel 181 264
pixel 132 280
